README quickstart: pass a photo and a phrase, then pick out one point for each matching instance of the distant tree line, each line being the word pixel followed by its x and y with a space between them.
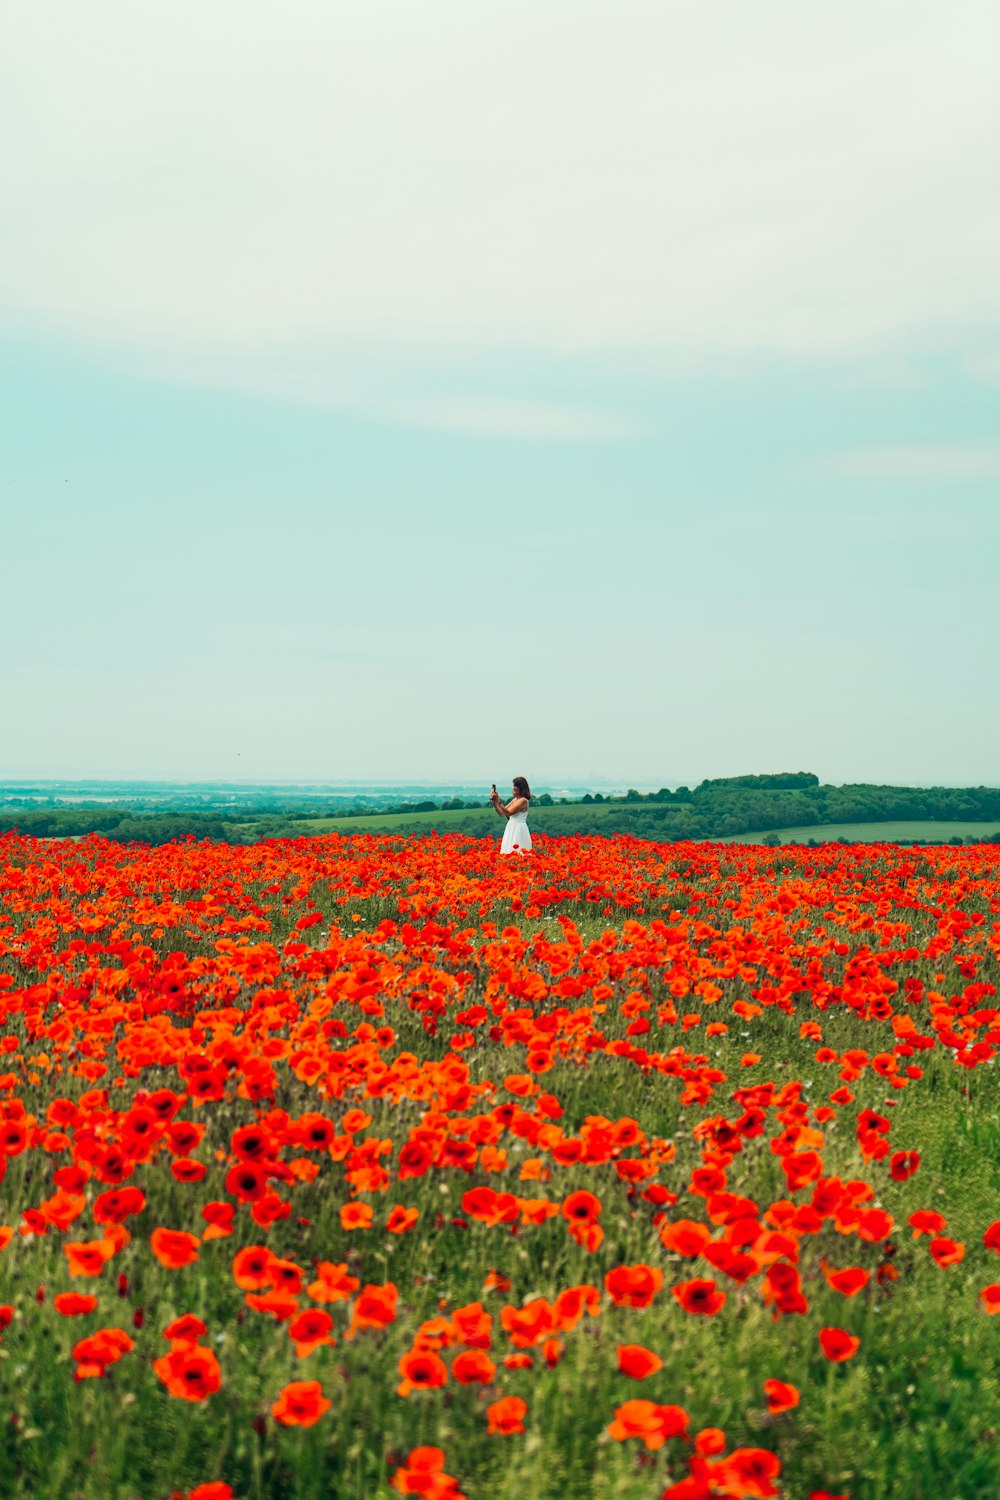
pixel 715 808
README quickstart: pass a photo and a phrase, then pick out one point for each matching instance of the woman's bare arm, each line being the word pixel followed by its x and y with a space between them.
pixel 498 806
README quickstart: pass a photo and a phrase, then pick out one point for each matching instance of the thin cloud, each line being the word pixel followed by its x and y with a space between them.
pixel 641 179
pixel 917 461
pixel 519 419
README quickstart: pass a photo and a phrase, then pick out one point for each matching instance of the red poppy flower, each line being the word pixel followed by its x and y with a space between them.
pixel 99 1350
pixel 638 1362
pixel 903 1164
pixel 187 1329
pixel 423 1474
pixel 780 1396
pixel 647 1420
pixel 473 1367
pixel 310 1330
pixel 849 1281
pixel 421 1369
pixel 88 1257
pixel 685 1236
pixel 926 1221
pixel 300 1404
pixel 749 1472
pixel 506 1416
pixel 581 1207
pixel 356 1216
pixel 189 1371
pixel 174 1248
pixel 333 1283
pixel 246 1181
pixel 947 1252
pixel 699 1296
pixel 633 1286
pixel 838 1345
pixel 252 1268
pixel 74 1304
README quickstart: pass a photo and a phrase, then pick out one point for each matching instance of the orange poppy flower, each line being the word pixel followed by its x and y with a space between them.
pixel 472 1325
pixel 506 1416
pixel 648 1421
pixel 187 1329
pixel 748 1472
pixel 189 1372
pixel 174 1248
pixel 581 1207
pixel 252 1268
pixel 633 1286
pixel 333 1283
pixel 685 1236
pixel 638 1362
pixel 947 1252
pixel 421 1369
pixel 356 1216
pixel 473 1367
pixel 423 1474
pixel 375 1307
pixel 529 1324
pixel 300 1404
pixel 88 1257
pixel 710 1441
pixel 401 1220
pixel 310 1330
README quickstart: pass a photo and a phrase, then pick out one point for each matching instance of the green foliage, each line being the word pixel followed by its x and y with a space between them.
pixel 773 782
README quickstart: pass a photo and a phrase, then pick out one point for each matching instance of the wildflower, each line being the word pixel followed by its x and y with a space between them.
pixel 189 1371
pixel 300 1404
pixel 838 1345
pixel 638 1362
pixel 781 1396
pixel 647 1420
pixel 699 1296
pixel 174 1248
pixel 421 1370
pixel 506 1416
pixel 633 1286
pixel 473 1367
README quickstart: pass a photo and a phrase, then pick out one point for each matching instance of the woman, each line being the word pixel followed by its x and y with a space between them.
pixel 516 838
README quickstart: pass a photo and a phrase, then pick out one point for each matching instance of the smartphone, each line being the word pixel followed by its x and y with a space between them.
pixel 494 786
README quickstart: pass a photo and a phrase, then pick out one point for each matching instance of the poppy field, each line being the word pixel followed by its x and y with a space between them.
pixel 380 1166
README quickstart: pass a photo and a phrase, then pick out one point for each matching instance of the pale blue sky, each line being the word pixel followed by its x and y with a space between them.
pixel 629 408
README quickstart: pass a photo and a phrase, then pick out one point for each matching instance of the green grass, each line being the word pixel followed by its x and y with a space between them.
pixel 478 820
pixel 930 829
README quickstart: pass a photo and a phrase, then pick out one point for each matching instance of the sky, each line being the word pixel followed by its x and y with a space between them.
pixel 459 391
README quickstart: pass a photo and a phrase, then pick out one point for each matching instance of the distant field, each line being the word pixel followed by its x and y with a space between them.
pixel 868 833
pixel 468 820
pixel 482 820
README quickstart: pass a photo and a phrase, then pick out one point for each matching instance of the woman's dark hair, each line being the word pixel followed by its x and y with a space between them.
pixel 523 789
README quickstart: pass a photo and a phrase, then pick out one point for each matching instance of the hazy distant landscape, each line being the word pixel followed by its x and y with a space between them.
pixel 780 807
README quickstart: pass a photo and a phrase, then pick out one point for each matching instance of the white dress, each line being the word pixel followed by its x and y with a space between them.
pixel 516 838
